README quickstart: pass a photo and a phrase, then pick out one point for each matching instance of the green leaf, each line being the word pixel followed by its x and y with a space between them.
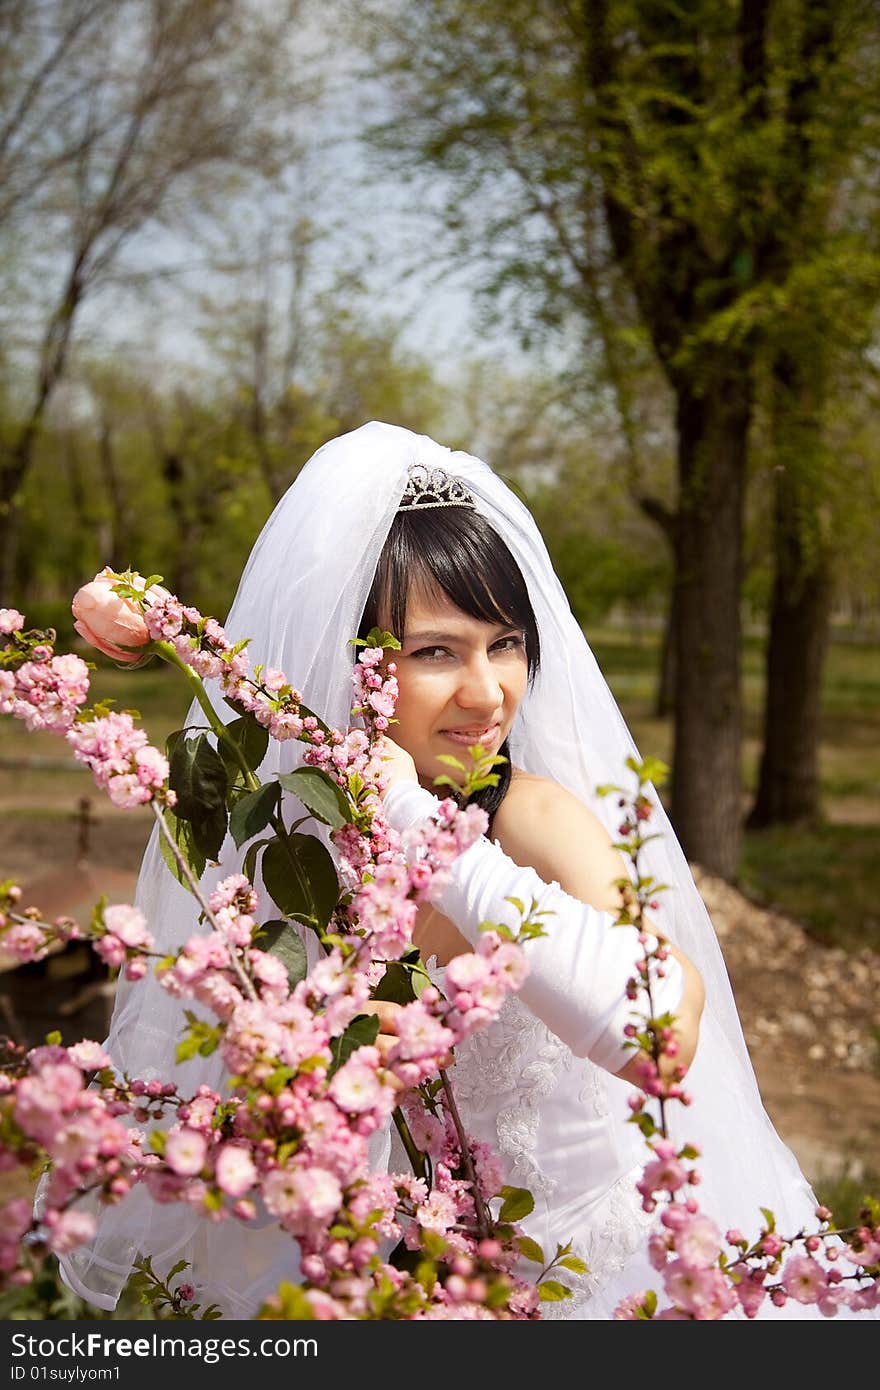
pixel 252 813
pixel 397 985
pixel 451 761
pixel 531 1250
pixel 281 939
pixel 574 1264
pixel 516 1202
pixel 199 778
pixel 182 834
pixel 320 794
pixel 769 1218
pixel 249 867
pixel 306 713
pixel 376 637
pixel 300 877
pixel 551 1291
pixel 294 1305
pixel 252 739
pixel 361 1032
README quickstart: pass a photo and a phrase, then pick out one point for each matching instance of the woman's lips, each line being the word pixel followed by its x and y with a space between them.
pixel 468 736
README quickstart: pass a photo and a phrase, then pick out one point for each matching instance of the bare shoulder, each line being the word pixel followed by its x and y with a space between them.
pixel 529 795
pixel 542 825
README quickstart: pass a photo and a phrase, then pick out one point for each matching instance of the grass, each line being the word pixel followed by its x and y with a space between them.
pixel 828 878
pixel 846 1191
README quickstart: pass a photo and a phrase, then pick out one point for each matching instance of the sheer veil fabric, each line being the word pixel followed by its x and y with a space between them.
pixel 299 601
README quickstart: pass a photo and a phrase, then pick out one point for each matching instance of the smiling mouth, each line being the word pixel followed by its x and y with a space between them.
pixel 468 736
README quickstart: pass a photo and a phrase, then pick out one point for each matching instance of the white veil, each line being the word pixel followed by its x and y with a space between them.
pixel 299 601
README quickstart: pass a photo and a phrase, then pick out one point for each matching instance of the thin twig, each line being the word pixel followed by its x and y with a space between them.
pixel 466 1159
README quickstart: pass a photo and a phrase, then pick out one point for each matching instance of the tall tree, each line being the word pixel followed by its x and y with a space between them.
pixel 601 152
pixel 820 252
pixel 122 115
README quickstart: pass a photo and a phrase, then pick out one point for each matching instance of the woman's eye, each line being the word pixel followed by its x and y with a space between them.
pixel 511 643
pixel 431 653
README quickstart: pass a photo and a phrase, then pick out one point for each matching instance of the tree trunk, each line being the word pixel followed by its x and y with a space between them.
pixel 788 787
pixel 712 440
pixel 664 699
pixel 788 784
pixel 667 520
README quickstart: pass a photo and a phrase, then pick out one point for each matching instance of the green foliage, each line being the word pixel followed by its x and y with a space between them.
pixel 281 939
pixel 300 878
pixel 551 1291
pixel 516 1202
pixel 320 794
pixel 252 813
pixel 530 1250
pixel 184 838
pixel 403 980
pixel 827 877
pixel 361 1032
pixel 198 775
pixel 252 739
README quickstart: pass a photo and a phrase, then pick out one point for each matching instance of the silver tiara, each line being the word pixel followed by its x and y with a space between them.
pixel 433 487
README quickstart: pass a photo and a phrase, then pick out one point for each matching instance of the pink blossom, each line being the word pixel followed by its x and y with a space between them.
pixel 438 1213
pixel 751 1293
pixel 71 1229
pixel 185 1151
pixel 419 1035
pixel 703 1292
pixel 128 924
pixel 235 1170
pixel 10 621
pixel 89 1055
pixel 802 1277
pixel 698 1242
pixel 26 941
pixel 302 1198
pixel 628 1309
pixel 356 1088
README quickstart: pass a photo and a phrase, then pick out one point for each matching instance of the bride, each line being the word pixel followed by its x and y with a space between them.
pixel 386 527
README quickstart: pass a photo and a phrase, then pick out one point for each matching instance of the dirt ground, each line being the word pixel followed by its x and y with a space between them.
pixel 809 1013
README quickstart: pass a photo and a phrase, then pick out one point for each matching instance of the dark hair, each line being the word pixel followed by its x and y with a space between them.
pixel 456 550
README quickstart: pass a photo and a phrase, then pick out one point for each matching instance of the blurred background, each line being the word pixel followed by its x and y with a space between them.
pixel 628 252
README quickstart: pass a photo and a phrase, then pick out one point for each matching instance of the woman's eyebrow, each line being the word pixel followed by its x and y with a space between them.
pixel 448 636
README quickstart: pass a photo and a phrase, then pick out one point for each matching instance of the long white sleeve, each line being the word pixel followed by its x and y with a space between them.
pixel 578 971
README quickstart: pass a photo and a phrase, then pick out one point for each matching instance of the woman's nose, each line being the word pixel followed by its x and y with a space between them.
pixel 479 687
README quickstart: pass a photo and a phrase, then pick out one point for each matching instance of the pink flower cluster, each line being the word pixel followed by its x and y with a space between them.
pixel 48 693
pixel 122 939
pixel 701 1278
pixel 45 692
pixel 122 761
pixel 23 934
pixel 51 1110
pixel 375 695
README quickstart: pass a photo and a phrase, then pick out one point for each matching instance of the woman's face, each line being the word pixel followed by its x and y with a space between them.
pixel 461 681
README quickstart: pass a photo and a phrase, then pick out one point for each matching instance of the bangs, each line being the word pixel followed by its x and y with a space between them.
pixel 453 550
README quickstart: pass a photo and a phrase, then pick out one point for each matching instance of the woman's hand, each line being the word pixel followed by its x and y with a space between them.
pixel 398 765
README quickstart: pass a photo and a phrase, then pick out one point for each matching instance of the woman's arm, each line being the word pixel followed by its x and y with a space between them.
pixel 541 824
pixel 579 970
